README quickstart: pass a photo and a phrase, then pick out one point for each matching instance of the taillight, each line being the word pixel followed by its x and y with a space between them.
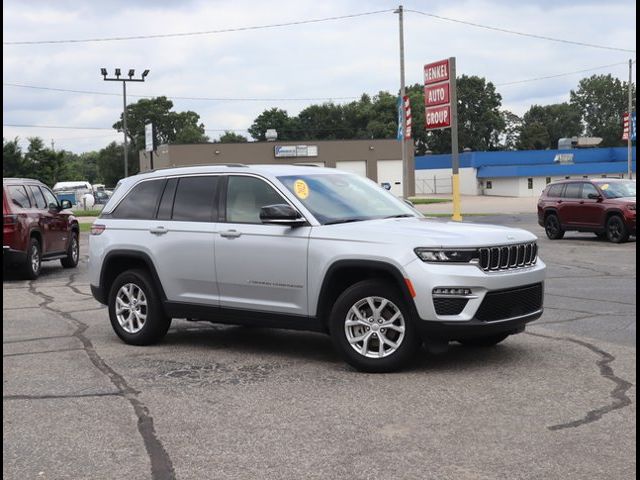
pixel 9 220
pixel 97 229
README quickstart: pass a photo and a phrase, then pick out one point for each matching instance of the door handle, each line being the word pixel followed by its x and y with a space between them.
pixel 230 234
pixel 559 202
pixel 158 230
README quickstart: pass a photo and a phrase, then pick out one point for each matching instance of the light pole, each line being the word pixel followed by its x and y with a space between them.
pixel 124 80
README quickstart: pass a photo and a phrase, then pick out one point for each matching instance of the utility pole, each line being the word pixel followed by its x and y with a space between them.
pixel 455 157
pixel 103 72
pixel 630 110
pixel 405 166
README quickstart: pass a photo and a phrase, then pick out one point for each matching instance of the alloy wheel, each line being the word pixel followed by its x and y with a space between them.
pixel 131 308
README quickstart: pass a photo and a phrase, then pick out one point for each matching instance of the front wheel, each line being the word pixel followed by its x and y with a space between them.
pixel 616 230
pixel 135 309
pixel 372 328
pixel 552 227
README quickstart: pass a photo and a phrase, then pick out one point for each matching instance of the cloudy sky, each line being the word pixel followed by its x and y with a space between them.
pixel 326 60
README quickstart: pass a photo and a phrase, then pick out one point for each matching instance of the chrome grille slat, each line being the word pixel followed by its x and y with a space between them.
pixel 507 257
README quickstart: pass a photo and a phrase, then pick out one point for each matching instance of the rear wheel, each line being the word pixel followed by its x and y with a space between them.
pixel 372 328
pixel 135 309
pixel 552 227
pixel 31 268
pixel 616 230
pixel 73 252
pixel 488 341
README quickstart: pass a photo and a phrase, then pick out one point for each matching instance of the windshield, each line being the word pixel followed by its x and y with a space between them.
pixel 340 198
pixel 618 189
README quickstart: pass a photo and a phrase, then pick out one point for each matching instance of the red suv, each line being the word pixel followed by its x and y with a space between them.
pixel 36 227
pixel 604 206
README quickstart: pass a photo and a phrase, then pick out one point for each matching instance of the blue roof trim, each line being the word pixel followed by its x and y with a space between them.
pixel 494 171
pixel 525 157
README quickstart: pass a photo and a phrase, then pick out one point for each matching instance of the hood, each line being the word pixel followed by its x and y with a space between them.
pixel 425 232
pixel 622 200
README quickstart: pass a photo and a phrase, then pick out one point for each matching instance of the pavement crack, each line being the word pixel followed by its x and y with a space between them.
pixel 54 397
pixel 161 465
pixel 69 284
pixel 619 392
pixel 39 352
pixel 590 299
pixel 36 339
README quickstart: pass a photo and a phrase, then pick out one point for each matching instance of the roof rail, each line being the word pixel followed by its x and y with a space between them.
pixel 306 165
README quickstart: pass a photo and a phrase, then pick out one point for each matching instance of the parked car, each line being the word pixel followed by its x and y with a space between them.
pixel 36 227
pixel 604 206
pixel 307 248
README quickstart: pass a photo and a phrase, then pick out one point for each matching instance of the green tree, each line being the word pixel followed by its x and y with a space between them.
pixel 480 122
pixel 232 137
pixel 43 163
pixel 601 100
pixel 169 126
pixel 110 163
pixel 561 120
pixel 13 164
pixel 277 119
pixel 512 126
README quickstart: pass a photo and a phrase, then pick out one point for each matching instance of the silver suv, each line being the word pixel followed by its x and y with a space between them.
pixel 307 248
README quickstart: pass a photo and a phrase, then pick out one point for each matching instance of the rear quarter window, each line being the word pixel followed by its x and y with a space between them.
pixel 555 190
pixel 18 196
pixel 141 202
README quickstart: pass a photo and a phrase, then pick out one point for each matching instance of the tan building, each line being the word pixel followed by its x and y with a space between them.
pixel 380 160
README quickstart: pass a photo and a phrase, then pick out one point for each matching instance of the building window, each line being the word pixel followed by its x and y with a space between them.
pixel 530 183
pixel 548 180
pixel 489 185
pixel 585 176
pixel 567 177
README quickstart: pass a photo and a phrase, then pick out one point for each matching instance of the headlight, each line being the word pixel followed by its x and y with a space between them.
pixel 437 255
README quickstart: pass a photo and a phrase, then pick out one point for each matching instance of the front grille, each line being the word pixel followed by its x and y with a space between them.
pixel 449 306
pixel 506 257
pixel 510 303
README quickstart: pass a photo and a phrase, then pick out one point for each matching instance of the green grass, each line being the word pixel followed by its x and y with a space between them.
pixel 85 227
pixel 426 201
pixel 86 213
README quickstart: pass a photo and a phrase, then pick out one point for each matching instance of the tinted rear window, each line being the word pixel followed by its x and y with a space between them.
pixel 573 190
pixel 195 199
pixel 19 196
pixel 555 190
pixel 166 202
pixel 38 198
pixel 141 202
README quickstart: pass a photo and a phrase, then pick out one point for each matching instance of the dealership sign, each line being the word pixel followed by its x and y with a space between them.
pixel 284 151
pixel 437 94
pixel 629 124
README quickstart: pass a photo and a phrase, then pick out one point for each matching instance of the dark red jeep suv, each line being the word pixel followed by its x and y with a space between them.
pixel 36 227
pixel 605 206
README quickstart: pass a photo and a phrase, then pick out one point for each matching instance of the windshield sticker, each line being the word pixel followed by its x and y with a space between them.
pixel 301 189
pixel 604 187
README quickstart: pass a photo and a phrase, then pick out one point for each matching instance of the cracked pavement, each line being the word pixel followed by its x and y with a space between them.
pixel 240 403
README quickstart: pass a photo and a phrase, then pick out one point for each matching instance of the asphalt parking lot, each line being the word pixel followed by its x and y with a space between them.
pixel 558 401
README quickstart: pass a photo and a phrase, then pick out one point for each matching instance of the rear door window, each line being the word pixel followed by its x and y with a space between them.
pixel 141 202
pixel 573 190
pixel 19 196
pixel 555 190
pixel 166 202
pixel 36 194
pixel 196 199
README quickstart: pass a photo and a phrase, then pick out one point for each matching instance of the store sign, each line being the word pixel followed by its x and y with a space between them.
pixel 437 95
pixel 148 137
pixel 289 151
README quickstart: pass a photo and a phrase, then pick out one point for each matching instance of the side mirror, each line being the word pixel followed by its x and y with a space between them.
pixel 65 205
pixel 408 202
pixel 281 214
pixel 594 196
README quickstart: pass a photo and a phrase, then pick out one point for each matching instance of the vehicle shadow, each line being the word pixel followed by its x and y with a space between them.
pixel 317 348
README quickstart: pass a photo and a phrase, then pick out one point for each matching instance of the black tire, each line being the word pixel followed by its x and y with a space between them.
pixel 617 231
pixel 488 341
pixel 73 252
pixel 33 265
pixel 157 323
pixel 394 358
pixel 552 227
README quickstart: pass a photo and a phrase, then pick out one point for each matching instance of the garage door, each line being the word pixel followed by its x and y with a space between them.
pixel 357 166
pixel 390 171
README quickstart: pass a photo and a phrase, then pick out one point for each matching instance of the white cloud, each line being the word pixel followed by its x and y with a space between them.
pixel 333 59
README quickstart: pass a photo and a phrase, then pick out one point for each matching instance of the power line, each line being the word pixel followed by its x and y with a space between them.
pixel 68 127
pixel 522 34
pixel 559 75
pixel 212 99
pixel 207 32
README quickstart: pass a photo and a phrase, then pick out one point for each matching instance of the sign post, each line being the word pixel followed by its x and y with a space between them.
pixel 441 111
pixel 149 142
